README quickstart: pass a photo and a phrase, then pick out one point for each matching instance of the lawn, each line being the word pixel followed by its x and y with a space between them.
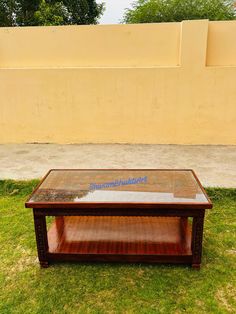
pixel 114 288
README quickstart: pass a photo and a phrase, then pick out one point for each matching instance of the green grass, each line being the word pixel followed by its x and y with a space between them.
pixel 114 288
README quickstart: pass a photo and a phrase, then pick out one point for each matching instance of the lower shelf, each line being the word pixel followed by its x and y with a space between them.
pixel 109 235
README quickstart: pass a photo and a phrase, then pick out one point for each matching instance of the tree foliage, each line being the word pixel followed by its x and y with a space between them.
pixel 49 12
pixel 148 11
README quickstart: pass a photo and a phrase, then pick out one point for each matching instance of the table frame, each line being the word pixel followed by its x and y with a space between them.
pixel 183 210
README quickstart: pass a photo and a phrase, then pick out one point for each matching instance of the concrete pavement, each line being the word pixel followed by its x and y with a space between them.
pixel 215 165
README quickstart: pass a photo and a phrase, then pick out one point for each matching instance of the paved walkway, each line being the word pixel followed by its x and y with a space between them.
pixel 215 165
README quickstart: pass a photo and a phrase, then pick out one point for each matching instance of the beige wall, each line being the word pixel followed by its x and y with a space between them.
pixel 155 83
pixel 221 48
pixel 90 46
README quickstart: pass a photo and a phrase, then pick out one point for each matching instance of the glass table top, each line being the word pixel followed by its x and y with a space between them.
pixel 119 186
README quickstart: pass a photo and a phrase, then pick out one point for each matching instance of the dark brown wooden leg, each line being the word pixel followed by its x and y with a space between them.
pixel 196 266
pixel 44 264
pixel 197 236
pixel 183 226
pixel 59 220
pixel 183 230
pixel 41 238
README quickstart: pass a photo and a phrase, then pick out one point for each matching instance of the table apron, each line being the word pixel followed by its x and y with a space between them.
pixel 120 212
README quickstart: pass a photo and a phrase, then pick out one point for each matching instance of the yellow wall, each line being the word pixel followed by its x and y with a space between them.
pixel 90 46
pixel 221 49
pixel 157 83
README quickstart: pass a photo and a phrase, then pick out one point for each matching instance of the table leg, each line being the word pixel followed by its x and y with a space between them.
pixel 197 236
pixel 59 220
pixel 41 238
pixel 183 230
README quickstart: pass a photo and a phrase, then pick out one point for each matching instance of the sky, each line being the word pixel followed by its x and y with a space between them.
pixel 114 10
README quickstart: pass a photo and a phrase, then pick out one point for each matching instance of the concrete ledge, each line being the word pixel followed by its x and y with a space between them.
pixel 215 165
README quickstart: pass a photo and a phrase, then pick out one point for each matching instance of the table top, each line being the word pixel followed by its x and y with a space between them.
pixel 157 187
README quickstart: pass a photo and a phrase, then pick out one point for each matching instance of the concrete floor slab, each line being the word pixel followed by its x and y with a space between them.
pixel 215 165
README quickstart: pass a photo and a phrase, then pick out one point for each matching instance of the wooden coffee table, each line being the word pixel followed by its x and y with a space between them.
pixel 146 215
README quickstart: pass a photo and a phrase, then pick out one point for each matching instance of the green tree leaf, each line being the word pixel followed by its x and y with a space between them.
pixel 49 12
pixel 152 11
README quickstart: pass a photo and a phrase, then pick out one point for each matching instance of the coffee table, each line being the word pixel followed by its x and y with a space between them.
pixel 146 215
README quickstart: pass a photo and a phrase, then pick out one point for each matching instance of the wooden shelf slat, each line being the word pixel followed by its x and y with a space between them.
pixel 120 235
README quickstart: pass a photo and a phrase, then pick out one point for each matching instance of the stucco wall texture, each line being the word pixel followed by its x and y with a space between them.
pixel 168 83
